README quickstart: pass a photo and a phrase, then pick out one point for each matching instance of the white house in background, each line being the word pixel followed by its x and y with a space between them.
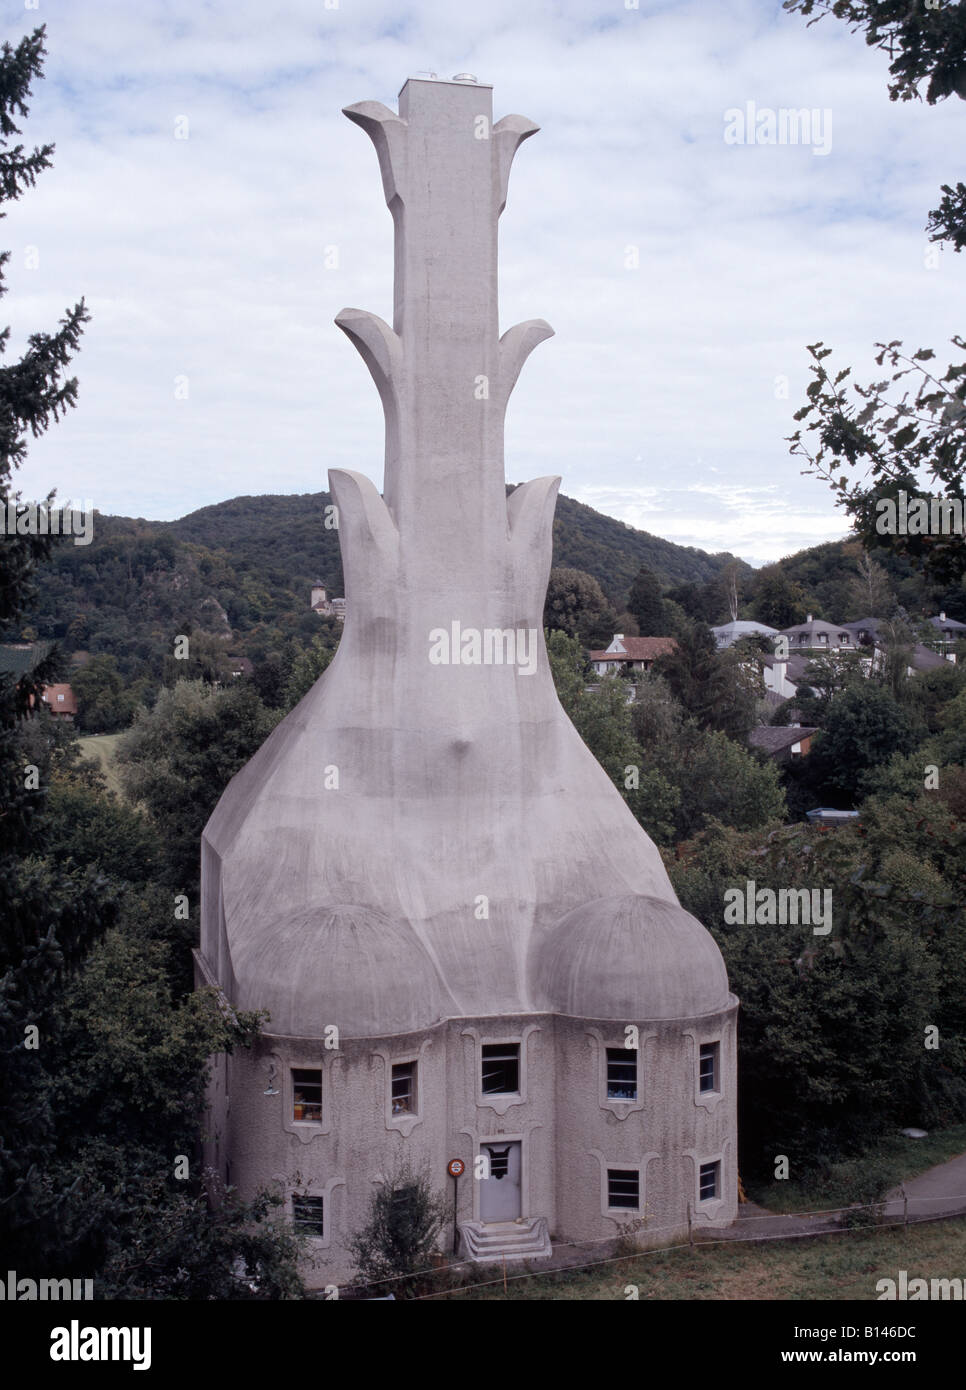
pixel 816 635
pixel 865 631
pixel 327 607
pixel 949 631
pixel 777 679
pixel 630 654
pixel 729 633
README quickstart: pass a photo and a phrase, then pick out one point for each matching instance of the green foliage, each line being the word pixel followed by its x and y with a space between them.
pixel 401 1233
pixel 925 43
pixel 778 601
pixel 104 701
pixel 576 604
pixel 863 728
pixel 306 670
pixel 178 758
pixel 826 676
pixel 891 439
pixel 646 604
pixel 49 913
pixel 948 221
pixel 831 1044
pixel 719 690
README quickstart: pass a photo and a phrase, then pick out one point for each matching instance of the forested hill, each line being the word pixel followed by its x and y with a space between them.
pixel 613 552
pixel 287 533
pixel 242 570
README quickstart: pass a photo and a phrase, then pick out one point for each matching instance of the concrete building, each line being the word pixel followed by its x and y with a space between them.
pixel 468 946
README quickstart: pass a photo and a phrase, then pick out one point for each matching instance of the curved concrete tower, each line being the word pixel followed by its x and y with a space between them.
pixel 466 942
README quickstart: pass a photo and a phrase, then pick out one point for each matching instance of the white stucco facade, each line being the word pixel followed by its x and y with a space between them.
pixel 423 868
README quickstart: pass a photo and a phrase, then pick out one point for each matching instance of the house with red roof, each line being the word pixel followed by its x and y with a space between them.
pixel 630 654
pixel 60 700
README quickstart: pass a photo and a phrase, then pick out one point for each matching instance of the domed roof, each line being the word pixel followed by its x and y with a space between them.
pixel 630 958
pixel 339 964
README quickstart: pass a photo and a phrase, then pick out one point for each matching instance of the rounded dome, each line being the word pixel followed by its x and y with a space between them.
pixel 630 958
pixel 340 964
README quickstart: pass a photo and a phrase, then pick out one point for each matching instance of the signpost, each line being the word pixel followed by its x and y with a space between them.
pixel 456 1168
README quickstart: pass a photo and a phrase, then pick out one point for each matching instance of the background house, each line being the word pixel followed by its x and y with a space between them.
pixel 630 654
pixel 60 700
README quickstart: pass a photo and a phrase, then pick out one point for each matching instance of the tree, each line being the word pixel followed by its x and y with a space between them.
pixel 892 436
pixel 709 776
pixel 104 701
pixel 870 593
pixel 406 1216
pixel 842 1012
pixel 716 688
pixel 926 44
pixel 778 601
pixel 578 606
pixel 826 676
pixel 863 728
pixel 49 914
pixel 647 605
pixel 306 670
pixel 178 758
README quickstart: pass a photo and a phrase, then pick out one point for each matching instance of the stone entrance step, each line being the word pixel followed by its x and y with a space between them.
pixel 525 1239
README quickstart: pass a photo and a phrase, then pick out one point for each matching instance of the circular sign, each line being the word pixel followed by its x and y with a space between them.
pixel 456 1167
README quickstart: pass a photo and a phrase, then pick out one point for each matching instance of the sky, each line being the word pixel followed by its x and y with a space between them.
pixel 203 167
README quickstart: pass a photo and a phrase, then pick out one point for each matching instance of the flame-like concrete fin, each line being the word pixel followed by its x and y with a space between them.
pixel 509 134
pixel 516 346
pixel 381 350
pixel 530 509
pixel 367 534
pixel 387 131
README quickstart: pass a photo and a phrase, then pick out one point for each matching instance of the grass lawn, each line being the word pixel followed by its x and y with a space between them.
pixel 100 748
pixel 897 1157
pixel 845 1266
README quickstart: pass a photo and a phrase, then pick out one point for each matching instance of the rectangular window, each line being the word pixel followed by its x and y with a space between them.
pixel 307 1095
pixel 501 1068
pixel 622 1073
pixel 308 1213
pixel 404 1088
pixel 708 1181
pixel 623 1188
pixel 708 1067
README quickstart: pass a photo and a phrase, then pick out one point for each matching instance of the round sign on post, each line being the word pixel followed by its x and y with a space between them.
pixel 456 1168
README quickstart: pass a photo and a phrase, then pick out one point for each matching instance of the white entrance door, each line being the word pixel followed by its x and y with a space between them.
pixel 500 1192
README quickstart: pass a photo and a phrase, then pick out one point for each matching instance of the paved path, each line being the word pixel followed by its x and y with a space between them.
pixel 940 1191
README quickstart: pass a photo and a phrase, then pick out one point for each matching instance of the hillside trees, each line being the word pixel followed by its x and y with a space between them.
pixel 844 1013
pixel 577 605
pixel 49 914
pixel 646 603
pixel 178 758
pixel 864 727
